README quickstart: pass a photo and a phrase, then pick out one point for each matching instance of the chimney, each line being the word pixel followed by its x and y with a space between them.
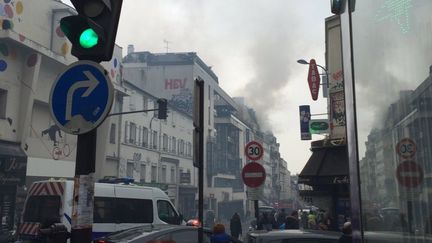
pixel 130 49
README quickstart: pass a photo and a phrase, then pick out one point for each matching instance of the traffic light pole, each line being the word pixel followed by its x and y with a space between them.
pixel 82 209
pixel 198 120
pixel 92 33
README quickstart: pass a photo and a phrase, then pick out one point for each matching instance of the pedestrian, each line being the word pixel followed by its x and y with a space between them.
pixel 347 233
pixel 273 221
pixel 219 235
pixel 264 222
pixel 292 221
pixel 428 225
pixel 281 217
pixel 235 226
pixel 312 220
pixel 209 219
pixel 304 219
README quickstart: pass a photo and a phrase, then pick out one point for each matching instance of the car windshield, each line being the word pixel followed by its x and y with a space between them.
pixel 246 114
pixel 42 208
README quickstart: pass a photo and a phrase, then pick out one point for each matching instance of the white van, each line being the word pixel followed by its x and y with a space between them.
pixel 116 207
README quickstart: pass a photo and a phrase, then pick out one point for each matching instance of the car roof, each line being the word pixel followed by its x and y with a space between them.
pixel 295 233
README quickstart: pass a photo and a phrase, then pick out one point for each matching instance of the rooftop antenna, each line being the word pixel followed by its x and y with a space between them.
pixel 167 45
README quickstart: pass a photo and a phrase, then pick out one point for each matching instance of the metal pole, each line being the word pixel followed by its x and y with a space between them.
pixel 410 216
pixel 201 165
pixel 82 207
pixel 256 212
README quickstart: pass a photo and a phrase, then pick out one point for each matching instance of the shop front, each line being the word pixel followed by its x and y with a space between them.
pixel 326 172
pixel 13 163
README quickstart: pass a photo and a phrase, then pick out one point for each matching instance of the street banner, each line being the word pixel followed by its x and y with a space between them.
pixel 304 122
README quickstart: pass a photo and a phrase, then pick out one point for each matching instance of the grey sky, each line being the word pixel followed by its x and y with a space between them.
pixel 252 46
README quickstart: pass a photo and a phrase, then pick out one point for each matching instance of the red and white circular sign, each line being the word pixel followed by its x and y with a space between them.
pixel 253 174
pixel 409 174
pixel 406 148
pixel 254 151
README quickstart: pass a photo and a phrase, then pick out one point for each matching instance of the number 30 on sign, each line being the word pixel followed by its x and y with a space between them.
pixel 254 151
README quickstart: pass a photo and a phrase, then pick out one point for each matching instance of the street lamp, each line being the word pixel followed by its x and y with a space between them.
pixel 302 61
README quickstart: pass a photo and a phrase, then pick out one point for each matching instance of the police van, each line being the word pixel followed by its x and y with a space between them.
pixel 116 207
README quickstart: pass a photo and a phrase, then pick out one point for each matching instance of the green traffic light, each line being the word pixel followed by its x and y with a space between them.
pixel 88 38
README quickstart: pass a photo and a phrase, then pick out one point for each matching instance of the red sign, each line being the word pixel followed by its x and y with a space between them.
pixel 409 174
pixel 254 151
pixel 253 174
pixel 406 148
pixel 313 79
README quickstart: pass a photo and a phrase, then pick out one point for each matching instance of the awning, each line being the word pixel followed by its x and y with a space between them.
pixel 13 163
pixel 327 165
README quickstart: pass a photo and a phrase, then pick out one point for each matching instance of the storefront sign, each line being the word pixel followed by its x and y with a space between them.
pixel 336 101
pixel 319 126
pixel 12 170
pixel 313 79
pixel 340 180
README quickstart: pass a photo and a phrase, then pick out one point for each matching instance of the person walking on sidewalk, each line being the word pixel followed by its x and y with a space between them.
pixel 235 226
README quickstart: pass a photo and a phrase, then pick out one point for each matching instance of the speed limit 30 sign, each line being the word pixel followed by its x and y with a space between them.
pixel 254 151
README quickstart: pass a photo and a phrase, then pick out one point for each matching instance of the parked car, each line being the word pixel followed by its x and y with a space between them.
pixel 292 236
pixel 319 236
pixel 144 234
pixel 116 207
pixel 394 237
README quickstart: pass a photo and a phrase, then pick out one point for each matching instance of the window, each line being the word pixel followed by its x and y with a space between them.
pixel 129 169
pixel 167 213
pixel 134 210
pixel 104 209
pixel 132 101
pixel 173 175
pixel 3 102
pixel 164 174
pixel 181 146
pixel 113 134
pixel 174 144
pixel 132 133
pixel 139 141
pixel 42 208
pixel 155 139
pixel 145 137
pixel 143 173
pixel 153 173
pixel 165 142
pixel 126 132
pixel 189 149
pixel 122 210
pixel 145 104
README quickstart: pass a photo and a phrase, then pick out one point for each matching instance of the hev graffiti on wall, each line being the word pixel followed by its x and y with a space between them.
pixel 175 83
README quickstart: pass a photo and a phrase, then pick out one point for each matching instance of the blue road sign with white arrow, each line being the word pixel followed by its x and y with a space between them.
pixel 81 97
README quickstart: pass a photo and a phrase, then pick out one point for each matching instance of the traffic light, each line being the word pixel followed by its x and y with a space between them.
pixel 163 110
pixel 93 31
pixel 337 6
